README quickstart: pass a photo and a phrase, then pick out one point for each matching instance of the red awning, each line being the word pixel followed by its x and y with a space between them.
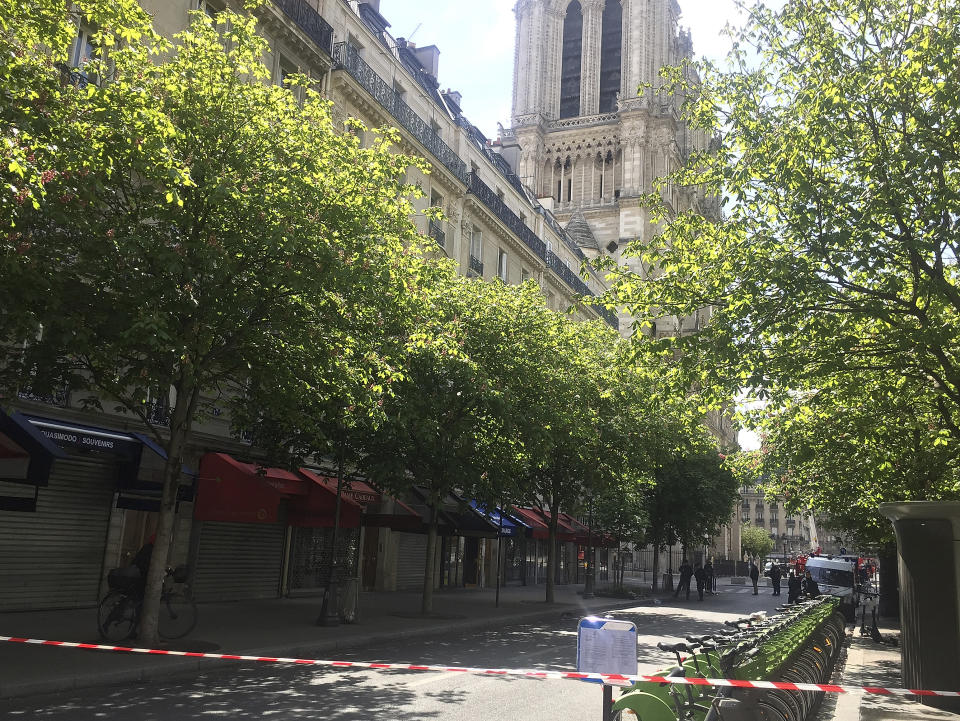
pixel 565 531
pixel 318 508
pixel 583 536
pixel 538 524
pixel 232 491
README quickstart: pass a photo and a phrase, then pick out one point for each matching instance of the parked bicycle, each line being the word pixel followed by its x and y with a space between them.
pixel 118 615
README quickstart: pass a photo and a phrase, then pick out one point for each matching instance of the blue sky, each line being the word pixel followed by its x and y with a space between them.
pixel 476 45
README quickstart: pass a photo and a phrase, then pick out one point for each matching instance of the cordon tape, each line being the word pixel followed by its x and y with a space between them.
pixel 611 679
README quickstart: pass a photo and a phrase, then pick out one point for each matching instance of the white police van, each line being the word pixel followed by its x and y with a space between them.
pixel 837 577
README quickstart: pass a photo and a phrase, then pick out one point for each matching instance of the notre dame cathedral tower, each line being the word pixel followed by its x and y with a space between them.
pixel 583 138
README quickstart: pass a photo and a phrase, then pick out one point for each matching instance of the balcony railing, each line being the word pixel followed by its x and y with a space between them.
pixel 310 21
pixel 476 265
pixel 509 218
pixel 58 397
pixel 347 58
pixel 436 232
pixel 566 275
pixel 158 413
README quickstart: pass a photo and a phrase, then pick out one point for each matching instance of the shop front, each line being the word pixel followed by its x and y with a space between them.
pixel 69 495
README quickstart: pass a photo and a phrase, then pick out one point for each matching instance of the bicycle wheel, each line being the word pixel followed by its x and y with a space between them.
pixel 767 712
pixel 178 615
pixel 789 706
pixel 117 616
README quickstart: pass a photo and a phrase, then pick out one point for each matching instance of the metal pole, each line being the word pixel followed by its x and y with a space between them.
pixel 588 584
pixel 499 553
pixel 330 608
pixel 608 703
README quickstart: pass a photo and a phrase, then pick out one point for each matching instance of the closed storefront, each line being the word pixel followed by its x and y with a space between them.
pixel 239 561
pixel 310 555
pixel 411 560
pixel 53 557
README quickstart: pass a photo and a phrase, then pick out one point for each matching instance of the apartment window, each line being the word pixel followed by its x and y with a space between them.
pixel 210 8
pixel 502 265
pixel 285 69
pixel 83 49
pixel 476 245
pixel 436 200
pixel 524 275
pixel 435 127
pixel 549 246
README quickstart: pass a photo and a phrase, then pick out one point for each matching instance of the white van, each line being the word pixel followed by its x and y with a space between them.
pixel 836 577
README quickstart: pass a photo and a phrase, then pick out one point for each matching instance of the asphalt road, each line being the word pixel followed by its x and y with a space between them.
pixel 263 691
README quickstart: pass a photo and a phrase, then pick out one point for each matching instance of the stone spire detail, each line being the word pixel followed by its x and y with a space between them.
pixel 579 230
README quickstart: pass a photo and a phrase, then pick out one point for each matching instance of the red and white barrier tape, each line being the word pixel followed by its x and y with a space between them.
pixel 613 679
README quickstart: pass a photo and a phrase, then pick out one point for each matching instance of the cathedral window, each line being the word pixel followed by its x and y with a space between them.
pixel 610 54
pixel 570 63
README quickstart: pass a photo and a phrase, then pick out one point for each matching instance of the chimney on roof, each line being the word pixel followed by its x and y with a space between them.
pixel 428 57
pixel 455 96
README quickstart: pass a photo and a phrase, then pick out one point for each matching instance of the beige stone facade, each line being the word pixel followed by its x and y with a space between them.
pixel 793 533
pixel 493 226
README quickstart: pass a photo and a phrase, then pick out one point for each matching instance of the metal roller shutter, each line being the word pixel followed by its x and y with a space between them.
pixel 239 561
pixel 53 558
pixel 411 560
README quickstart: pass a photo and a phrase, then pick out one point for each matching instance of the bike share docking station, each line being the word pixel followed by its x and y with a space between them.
pixel 607 646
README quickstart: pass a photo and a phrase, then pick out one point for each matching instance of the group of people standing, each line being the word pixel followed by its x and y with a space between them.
pixel 796 586
pixel 703 575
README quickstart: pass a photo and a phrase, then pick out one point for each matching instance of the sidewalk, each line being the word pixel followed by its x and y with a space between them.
pixel 870 663
pixel 275 627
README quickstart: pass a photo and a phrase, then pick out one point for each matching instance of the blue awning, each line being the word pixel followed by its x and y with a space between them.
pixel 26 454
pixel 508 525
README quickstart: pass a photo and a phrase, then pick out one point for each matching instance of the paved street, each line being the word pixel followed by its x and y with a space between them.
pixel 263 691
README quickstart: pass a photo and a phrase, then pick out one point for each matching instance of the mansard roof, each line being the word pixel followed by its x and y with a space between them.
pixel 579 230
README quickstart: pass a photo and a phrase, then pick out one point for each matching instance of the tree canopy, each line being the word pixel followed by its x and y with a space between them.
pixel 195 230
pixel 832 272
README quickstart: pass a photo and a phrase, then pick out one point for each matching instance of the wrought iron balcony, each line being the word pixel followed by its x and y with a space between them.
pixel 158 413
pixel 58 397
pixel 509 218
pixel 566 275
pixel 70 75
pixel 347 58
pixel 435 231
pixel 476 265
pixel 310 21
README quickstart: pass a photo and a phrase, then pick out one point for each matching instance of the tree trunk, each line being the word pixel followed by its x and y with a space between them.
pixel 656 568
pixel 180 423
pixel 426 603
pixel 552 555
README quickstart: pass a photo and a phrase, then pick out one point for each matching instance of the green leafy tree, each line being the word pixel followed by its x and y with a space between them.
pixel 834 265
pixel 447 422
pixel 828 452
pixel 199 228
pixel 755 541
pixel 693 494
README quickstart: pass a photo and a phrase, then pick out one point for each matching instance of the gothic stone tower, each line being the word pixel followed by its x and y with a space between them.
pixel 589 145
pixel 583 139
